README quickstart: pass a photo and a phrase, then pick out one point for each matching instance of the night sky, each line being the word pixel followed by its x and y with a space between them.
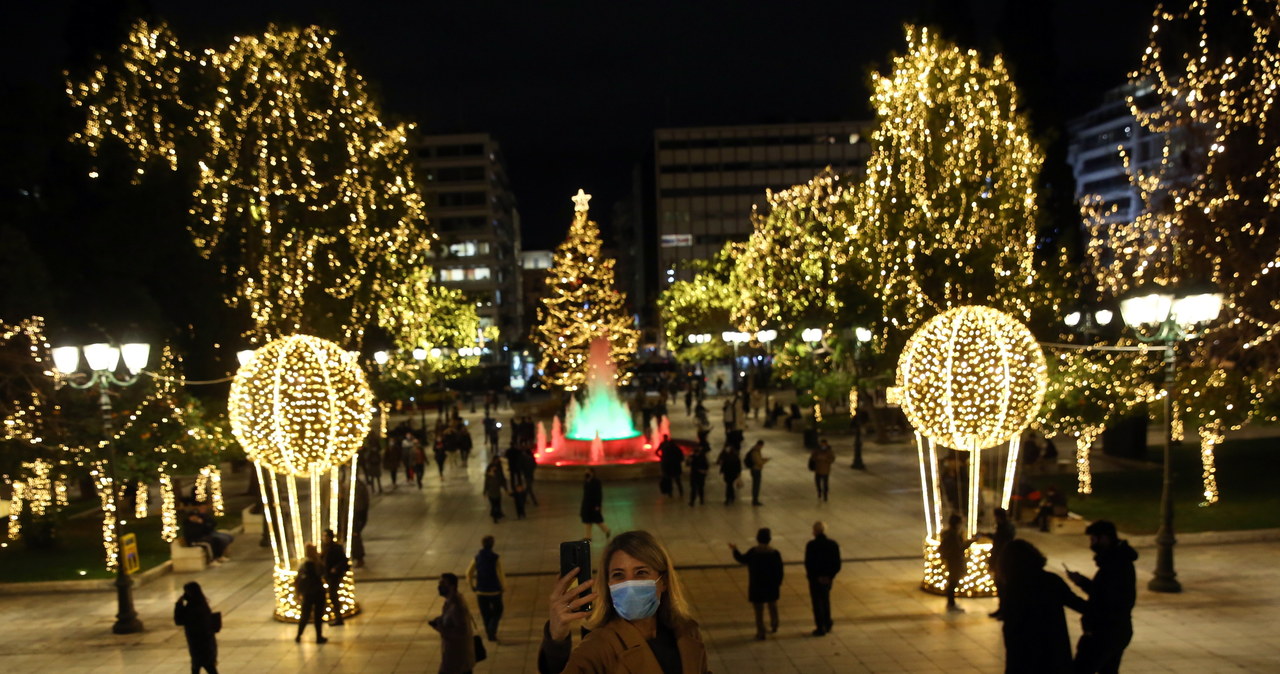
pixel 573 91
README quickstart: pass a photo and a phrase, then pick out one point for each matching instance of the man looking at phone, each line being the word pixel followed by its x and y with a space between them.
pixel 1107 620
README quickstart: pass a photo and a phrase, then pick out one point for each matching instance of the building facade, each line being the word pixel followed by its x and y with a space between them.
pixel 708 178
pixel 1098 144
pixel 471 206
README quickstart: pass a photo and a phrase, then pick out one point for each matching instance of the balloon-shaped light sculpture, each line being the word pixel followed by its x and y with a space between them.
pixel 301 408
pixel 970 379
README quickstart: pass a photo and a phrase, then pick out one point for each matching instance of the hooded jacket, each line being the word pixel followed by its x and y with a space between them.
pixel 1112 591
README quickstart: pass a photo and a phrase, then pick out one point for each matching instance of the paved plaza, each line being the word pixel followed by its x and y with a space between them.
pixel 1223 621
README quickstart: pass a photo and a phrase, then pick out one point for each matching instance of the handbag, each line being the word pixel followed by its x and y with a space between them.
pixel 478 643
pixel 813 463
pixel 217 621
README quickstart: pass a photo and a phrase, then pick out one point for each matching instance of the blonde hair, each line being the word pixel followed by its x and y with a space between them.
pixel 673 610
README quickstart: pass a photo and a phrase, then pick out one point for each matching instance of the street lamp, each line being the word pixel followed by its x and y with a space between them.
pixel 103 361
pixel 1167 318
pixel 861 336
pixel 735 338
pixel 766 337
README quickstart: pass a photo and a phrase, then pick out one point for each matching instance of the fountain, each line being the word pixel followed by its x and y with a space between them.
pixel 600 432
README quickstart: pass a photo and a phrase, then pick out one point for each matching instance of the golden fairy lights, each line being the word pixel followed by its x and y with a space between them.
pixel 971 378
pixel 209 488
pixel 1208 81
pixel 582 303
pixel 302 193
pixel 701 305
pixel 949 205
pixel 789 272
pixel 300 405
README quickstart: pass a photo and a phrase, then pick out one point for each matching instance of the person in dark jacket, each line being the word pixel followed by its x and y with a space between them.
pixel 952 547
pixel 487 580
pixel 764 579
pixel 309 585
pixel 1108 616
pixel 731 469
pixel 821 564
pixel 200 625
pixel 336 566
pixel 495 486
pixel 671 458
pixel 592 504
pixel 1032 601
pixel 1004 534
pixel 699 466
pixel 359 519
pixel 457 651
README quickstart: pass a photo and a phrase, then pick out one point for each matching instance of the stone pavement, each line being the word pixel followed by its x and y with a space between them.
pixel 1223 621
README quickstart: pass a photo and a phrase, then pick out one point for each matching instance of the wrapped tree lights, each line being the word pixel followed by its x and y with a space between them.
pixel 301 407
pixel 970 379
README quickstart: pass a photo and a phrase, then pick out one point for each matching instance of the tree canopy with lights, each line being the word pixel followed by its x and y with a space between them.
pixel 702 305
pixel 582 303
pixel 949 210
pixel 302 194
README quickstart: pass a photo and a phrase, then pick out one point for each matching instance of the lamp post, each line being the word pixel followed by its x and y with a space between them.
pixel 103 360
pixel 735 338
pixel 1167 318
pixel 766 337
pixel 861 336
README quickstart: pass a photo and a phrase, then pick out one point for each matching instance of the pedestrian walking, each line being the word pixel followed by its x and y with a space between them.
pixel 440 454
pixel 821 564
pixel 309 586
pixel 592 504
pixel 359 519
pixel 371 462
pixel 419 461
pixel 495 487
pixel 764 579
pixel 731 470
pixel 408 455
pixel 951 548
pixel 641 623
pixel 200 625
pixel 486 579
pixel 755 463
pixel 820 463
pixel 671 460
pixel 1107 620
pixel 336 566
pixel 457 652
pixel 1004 534
pixel 391 459
pixel 1032 601
pixel 519 495
pixel 699 466
pixel 688 401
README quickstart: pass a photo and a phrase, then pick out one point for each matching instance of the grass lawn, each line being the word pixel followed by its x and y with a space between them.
pixel 1248 484
pixel 80 554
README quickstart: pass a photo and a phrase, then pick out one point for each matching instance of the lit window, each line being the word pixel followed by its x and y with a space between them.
pixel 452 274
pixel 477 273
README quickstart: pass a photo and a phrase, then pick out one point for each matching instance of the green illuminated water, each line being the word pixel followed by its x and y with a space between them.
pixel 602 414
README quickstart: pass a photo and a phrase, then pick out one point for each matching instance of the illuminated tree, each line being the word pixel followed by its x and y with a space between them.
pixel 1212 203
pixel 582 304
pixel 440 322
pixel 949 210
pixel 794 272
pixel 701 306
pixel 302 194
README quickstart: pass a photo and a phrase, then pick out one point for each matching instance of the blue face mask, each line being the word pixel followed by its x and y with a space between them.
pixel 635 599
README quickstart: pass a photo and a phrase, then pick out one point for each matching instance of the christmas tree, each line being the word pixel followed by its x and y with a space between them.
pixel 582 304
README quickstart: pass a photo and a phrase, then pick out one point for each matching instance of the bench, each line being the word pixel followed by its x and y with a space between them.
pixel 1070 524
pixel 189 558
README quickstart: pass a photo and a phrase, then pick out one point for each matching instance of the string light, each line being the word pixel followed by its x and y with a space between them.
pixel 301 191
pixel 141 503
pixel 300 405
pixel 581 304
pixel 701 305
pixel 949 205
pixel 1211 436
pixel 977 580
pixel 971 378
pixel 168 509
pixel 1206 85
pixel 789 273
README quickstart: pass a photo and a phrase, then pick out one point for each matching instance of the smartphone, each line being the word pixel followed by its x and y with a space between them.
pixel 577 554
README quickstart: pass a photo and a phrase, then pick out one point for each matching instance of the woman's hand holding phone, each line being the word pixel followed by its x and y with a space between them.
pixel 565 603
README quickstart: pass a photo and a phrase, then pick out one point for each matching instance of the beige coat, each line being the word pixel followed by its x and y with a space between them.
pixel 618 648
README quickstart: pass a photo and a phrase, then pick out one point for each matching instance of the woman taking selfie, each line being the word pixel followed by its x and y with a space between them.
pixel 639 620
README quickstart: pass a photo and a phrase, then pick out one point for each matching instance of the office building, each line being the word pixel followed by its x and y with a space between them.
pixel 708 178
pixel 471 207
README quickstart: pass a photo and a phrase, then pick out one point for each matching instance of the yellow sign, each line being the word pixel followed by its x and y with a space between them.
pixel 129 551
